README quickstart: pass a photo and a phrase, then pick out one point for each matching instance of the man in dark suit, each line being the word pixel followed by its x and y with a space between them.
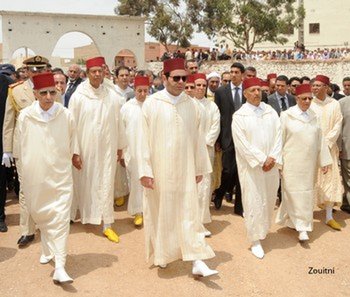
pixel 74 80
pixel 229 98
pixel 281 100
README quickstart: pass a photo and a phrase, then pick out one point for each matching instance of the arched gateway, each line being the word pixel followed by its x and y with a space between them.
pixel 41 31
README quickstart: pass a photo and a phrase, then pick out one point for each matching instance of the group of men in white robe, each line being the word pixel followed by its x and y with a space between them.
pixel 167 144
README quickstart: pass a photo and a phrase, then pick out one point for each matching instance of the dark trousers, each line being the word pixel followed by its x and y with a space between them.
pixel 230 179
pixel 3 180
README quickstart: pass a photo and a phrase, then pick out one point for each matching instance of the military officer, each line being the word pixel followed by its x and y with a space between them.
pixel 20 95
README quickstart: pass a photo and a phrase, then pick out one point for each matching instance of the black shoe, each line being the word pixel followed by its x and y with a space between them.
pixel 217 202
pixel 238 212
pixel 3 227
pixel 345 209
pixel 25 240
pixel 228 197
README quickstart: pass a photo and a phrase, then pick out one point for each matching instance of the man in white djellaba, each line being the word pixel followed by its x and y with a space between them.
pixel 47 145
pixel 256 132
pixel 211 126
pixel 101 138
pixel 173 159
pixel 303 151
pixel 329 188
pixel 131 113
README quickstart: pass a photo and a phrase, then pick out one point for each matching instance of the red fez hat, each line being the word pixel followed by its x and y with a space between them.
pixel 141 81
pixel 43 80
pixel 173 64
pixel 190 79
pixel 301 89
pixel 199 76
pixel 271 75
pixel 264 83
pixel 95 62
pixel 251 82
pixel 322 78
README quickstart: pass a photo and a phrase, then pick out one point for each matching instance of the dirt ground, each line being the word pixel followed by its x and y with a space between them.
pixel 102 268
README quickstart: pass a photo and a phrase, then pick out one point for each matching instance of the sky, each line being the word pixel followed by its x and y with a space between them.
pixel 68 41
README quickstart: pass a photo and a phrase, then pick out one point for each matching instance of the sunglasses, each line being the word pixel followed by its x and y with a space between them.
pixel 177 78
pixel 44 93
pixel 189 87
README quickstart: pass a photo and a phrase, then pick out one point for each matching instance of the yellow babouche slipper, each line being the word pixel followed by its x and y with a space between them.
pixel 138 220
pixel 334 224
pixel 120 201
pixel 111 235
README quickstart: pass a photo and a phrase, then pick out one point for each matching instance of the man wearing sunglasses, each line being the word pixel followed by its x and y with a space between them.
pixel 189 86
pixel 173 160
pixel 48 191
pixel 211 132
pixel 20 95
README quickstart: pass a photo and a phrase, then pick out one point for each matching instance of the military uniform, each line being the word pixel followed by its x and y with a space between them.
pixel 20 95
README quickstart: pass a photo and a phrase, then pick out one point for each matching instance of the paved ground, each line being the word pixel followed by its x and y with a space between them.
pixel 101 268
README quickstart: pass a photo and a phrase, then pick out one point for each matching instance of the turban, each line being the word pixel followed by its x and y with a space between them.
pixel 95 62
pixel 213 74
pixel 264 83
pixel 301 89
pixel 173 64
pixel 251 82
pixel 199 76
pixel 322 78
pixel 141 81
pixel 190 79
pixel 43 80
pixel 271 75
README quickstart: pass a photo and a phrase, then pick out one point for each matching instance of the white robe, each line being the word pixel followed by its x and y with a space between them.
pixel 131 114
pixel 121 183
pixel 303 152
pixel 100 134
pixel 211 130
pixel 46 150
pixel 329 186
pixel 256 137
pixel 173 153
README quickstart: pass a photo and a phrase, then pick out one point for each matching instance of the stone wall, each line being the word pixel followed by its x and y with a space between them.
pixel 335 69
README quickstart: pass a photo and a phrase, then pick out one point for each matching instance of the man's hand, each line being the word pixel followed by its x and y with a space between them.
pixel 7 159
pixel 122 162
pixel 147 182
pixel 119 155
pixel 217 147
pixel 77 163
pixel 324 169
pixel 199 178
pixel 269 163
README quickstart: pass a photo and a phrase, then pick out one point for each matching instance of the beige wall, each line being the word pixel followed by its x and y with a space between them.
pixel 335 69
pixel 334 20
pixel 41 32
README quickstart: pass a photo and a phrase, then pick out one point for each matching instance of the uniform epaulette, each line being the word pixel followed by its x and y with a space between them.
pixel 16 84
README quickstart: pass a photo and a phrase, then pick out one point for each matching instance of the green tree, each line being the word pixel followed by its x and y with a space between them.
pixel 247 22
pixel 169 22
